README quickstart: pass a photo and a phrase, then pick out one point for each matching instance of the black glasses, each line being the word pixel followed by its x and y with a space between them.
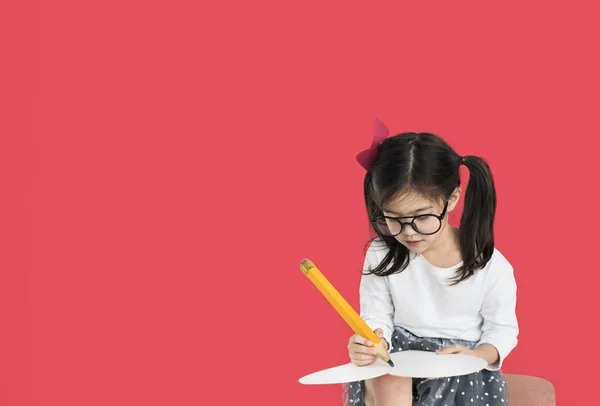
pixel 425 224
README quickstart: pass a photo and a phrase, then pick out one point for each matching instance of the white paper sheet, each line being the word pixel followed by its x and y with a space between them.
pixel 413 364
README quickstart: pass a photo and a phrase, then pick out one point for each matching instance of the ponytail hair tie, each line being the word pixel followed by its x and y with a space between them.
pixel 365 158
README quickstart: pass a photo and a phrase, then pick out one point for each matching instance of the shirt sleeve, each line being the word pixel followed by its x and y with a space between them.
pixel 376 306
pixel 500 326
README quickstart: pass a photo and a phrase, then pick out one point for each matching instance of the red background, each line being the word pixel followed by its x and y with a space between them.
pixel 165 165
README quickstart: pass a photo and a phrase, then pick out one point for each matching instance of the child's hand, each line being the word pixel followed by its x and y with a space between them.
pixel 487 352
pixel 362 351
pixel 456 349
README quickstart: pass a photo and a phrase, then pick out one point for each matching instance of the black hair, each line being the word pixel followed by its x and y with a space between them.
pixel 426 164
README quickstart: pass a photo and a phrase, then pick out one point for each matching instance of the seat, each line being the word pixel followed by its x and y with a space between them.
pixel 529 391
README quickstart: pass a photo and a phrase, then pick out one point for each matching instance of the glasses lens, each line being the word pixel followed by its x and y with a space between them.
pixel 387 226
pixel 427 224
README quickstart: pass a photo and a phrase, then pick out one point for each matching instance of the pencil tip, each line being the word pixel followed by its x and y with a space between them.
pixel 391 362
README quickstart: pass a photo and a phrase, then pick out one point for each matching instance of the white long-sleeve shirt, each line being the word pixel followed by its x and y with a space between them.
pixel 421 300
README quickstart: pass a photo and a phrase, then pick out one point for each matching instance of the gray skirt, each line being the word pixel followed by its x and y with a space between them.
pixel 484 388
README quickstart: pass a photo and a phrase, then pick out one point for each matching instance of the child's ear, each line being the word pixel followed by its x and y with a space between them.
pixel 454 198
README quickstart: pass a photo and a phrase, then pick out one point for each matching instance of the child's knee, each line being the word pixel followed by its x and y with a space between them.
pixel 389 383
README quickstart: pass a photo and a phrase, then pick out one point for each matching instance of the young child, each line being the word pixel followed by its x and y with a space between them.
pixel 427 285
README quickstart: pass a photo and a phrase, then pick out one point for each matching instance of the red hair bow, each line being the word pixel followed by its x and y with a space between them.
pixel 365 158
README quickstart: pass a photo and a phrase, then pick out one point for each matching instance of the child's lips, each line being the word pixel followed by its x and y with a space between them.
pixel 417 242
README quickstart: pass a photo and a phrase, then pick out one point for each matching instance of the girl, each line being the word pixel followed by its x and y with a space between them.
pixel 427 285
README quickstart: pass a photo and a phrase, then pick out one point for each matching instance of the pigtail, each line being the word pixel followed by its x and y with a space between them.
pixel 477 221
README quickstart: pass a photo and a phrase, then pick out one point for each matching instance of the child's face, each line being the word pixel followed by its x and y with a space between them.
pixel 413 204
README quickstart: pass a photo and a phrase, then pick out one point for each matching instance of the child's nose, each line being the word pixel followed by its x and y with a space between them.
pixel 408 229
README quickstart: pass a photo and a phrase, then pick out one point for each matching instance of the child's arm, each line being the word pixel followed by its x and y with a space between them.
pixel 500 327
pixel 488 352
pixel 376 307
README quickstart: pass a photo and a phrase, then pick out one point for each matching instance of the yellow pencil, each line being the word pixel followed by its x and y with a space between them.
pixel 340 304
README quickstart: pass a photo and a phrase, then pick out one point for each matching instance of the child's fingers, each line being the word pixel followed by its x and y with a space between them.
pixel 361 363
pixel 379 332
pixel 453 349
pixel 361 349
pixel 358 339
pixel 363 357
